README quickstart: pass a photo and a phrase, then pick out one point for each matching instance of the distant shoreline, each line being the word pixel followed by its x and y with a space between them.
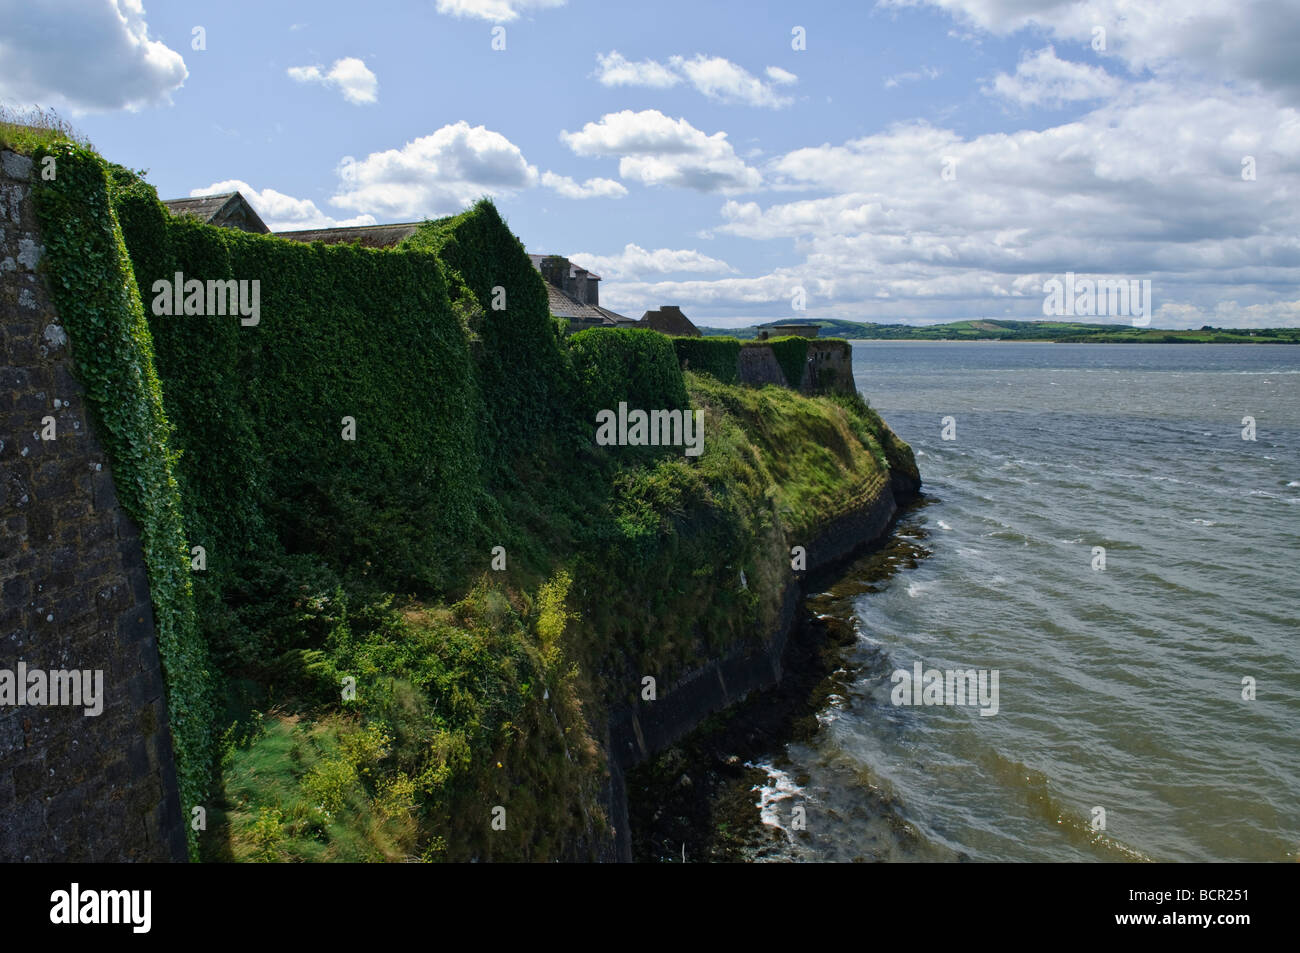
pixel 1016 332
pixel 1048 341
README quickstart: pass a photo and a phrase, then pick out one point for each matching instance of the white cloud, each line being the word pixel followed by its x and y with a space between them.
pixel 280 212
pixel 613 69
pixel 350 75
pixel 592 188
pixel 722 80
pixel 1251 40
pixel 500 11
pixel 84 56
pixel 1147 185
pixel 437 174
pixel 656 150
pixel 1043 79
pixel 635 262
pixel 780 76
pixel 717 78
pixel 911 76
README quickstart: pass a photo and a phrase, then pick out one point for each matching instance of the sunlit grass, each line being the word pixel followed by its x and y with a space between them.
pixel 25 130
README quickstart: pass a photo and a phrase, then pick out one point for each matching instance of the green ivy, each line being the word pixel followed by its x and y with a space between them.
pixel 718 356
pixel 791 354
pixel 520 367
pixel 621 364
pixel 93 287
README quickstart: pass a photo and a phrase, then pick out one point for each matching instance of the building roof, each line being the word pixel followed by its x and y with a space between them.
pixel 670 320
pixel 615 316
pixel 368 236
pixel 562 306
pixel 228 210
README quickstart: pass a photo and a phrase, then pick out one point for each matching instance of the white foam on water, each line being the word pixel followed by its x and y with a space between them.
pixel 780 788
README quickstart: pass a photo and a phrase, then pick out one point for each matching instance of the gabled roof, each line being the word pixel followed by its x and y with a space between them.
pixel 368 236
pixel 670 320
pixel 228 210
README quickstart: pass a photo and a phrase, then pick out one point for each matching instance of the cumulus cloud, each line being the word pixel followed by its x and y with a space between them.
pixel 500 11
pixel 1044 79
pixel 591 189
pixel 349 75
pixel 1252 40
pixel 436 174
pixel 635 262
pixel 655 150
pixel 280 212
pixel 1148 185
pixel 84 56
pixel 715 77
pixel 614 69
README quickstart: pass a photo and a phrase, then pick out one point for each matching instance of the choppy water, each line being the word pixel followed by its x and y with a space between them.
pixel 1119 689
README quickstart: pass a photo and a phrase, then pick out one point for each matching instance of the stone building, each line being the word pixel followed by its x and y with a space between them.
pixel 575 294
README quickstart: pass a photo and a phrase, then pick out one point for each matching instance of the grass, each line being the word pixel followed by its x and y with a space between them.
pixel 25 130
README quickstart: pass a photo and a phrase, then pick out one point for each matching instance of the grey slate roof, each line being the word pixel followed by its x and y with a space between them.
pixel 368 236
pixel 228 210
pixel 670 320
pixel 562 306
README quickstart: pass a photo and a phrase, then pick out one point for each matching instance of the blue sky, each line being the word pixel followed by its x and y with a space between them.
pixel 918 161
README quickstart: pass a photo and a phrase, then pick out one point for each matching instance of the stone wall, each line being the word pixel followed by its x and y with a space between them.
pixel 637 733
pixel 74 595
pixel 758 366
pixel 828 370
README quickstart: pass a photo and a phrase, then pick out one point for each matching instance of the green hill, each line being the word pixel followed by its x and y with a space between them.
pixel 1053 331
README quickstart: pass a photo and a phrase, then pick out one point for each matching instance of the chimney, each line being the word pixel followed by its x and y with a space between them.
pixel 593 290
pixel 578 286
pixel 555 270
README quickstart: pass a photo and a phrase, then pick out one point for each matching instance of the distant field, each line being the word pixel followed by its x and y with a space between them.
pixel 1058 331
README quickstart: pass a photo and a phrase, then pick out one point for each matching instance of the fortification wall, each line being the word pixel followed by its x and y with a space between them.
pixel 758 366
pixel 829 369
pixel 74 595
